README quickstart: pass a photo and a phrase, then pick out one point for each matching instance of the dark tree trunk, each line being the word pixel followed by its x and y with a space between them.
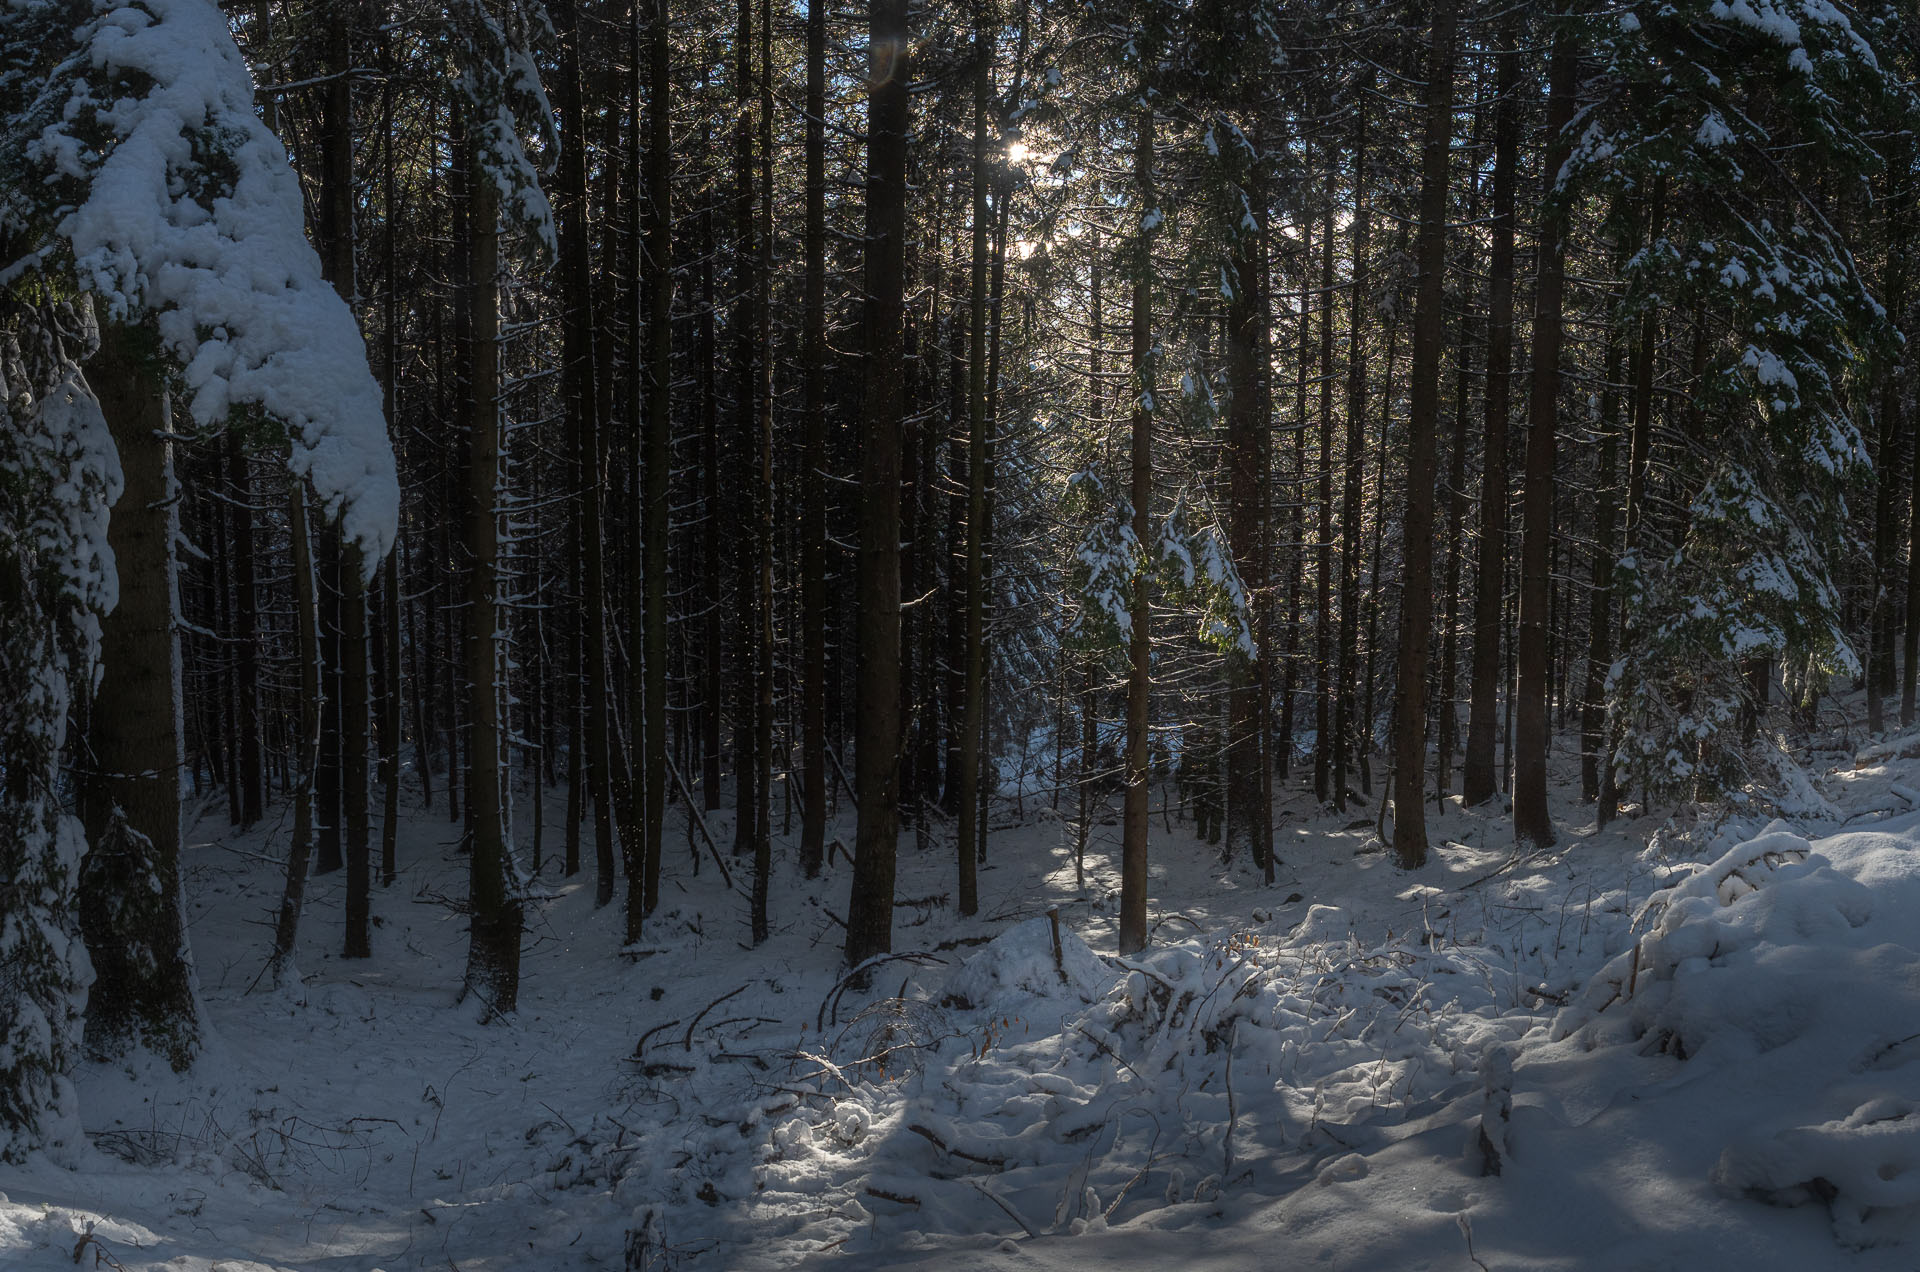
pixel 1477 773
pixel 1325 763
pixel 1247 460
pixel 643 891
pixel 813 495
pixel 1416 592
pixel 1344 722
pixel 493 950
pixel 281 971
pixel 1133 852
pixel 580 386
pixel 246 627
pixel 1532 823
pixel 130 903
pixel 877 716
pixel 973 698
pixel 1606 512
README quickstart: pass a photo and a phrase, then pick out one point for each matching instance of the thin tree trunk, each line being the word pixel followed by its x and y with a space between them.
pixel 281 971
pixel 1344 713
pixel 246 624
pixel 745 325
pixel 1639 457
pixel 1606 512
pixel 813 528
pixel 1532 823
pixel 1327 767
pixel 657 278
pixel 1247 460
pixel 974 710
pixel 1416 592
pixel 580 377
pixel 1133 852
pixel 1477 774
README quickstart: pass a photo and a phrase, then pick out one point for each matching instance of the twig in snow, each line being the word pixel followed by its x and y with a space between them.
pixel 1466 1230
pixel 100 1255
pixel 641 1046
pixel 1012 1214
pixel 692 1024
pixel 998 1163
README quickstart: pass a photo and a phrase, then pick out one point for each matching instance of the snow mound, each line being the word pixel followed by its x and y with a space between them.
pixel 1709 973
pixel 1777 962
pixel 1865 1166
pixel 1022 962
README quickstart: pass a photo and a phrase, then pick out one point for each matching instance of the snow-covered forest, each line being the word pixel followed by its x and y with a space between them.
pixel 664 634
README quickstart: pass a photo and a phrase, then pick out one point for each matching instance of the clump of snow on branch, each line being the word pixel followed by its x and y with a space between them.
pixel 184 215
pixel 500 82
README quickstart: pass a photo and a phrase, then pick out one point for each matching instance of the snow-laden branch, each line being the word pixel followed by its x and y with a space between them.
pixel 186 217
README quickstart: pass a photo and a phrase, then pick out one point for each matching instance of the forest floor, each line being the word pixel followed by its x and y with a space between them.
pixel 1661 1029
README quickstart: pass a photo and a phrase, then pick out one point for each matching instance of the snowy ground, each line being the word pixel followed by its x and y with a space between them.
pixel 1686 1047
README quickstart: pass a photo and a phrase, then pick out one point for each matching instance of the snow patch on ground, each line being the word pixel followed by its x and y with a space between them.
pixel 1682 1043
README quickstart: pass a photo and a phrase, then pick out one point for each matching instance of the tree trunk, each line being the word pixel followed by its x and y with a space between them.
pixel 356 720
pixel 813 493
pixel 1247 460
pixel 1133 852
pixel 493 950
pixel 877 727
pixel 281 971
pixel 974 706
pixel 1477 773
pixel 1327 767
pixel 1639 457
pixel 131 909
pixel 580 376
pixel 763 494
pixel 1344 730
pixel 246 624
pixel 1416 592
pixel 1606 511
pixel 657 280
pixel 1532 823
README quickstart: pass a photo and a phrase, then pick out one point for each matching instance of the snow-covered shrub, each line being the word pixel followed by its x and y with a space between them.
pixel 1700 976
pixel 1021 962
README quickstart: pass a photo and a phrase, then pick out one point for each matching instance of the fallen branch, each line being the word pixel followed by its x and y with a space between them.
pixel 925 1133
pixel 692 1024
pixel 693 815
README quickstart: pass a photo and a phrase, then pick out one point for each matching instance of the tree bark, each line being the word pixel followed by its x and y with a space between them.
pixel 1477 772
pixel 974 707
pixel 493 950
pixel 131 910
pixel 1532 823
pixel 813 496
pixel 1133 852
pixel 281 971
pixel 877 715
pixel 1416 592
pixel 656 469
pixel 1247 460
